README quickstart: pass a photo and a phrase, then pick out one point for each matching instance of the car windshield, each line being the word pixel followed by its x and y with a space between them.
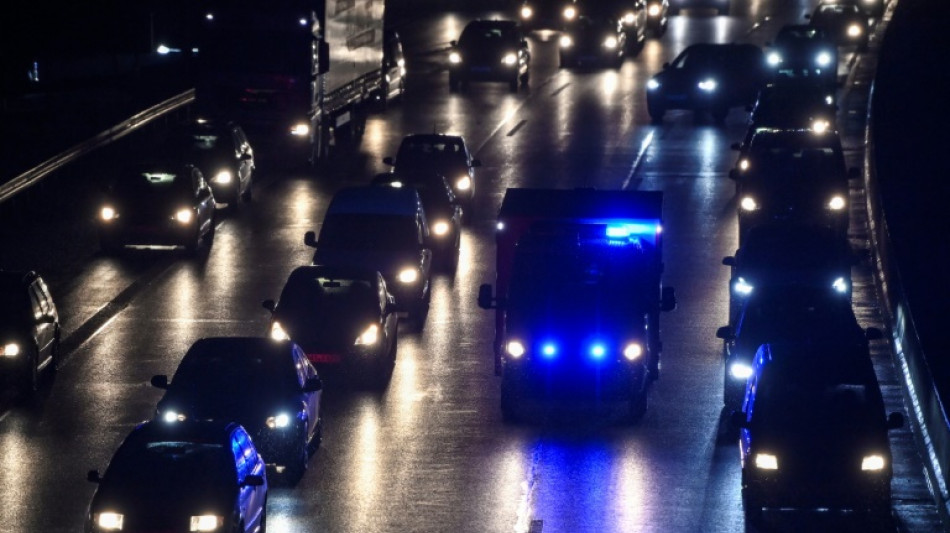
pixel 790 250
pixel 795 163
pixel 788 314
pixel 240 372
pixel 359 231
pixel 727 58
pixel 324 299
pixel 414 152
pixel 487 35
pixel 153 184
pixel 139 465
pixel 816 406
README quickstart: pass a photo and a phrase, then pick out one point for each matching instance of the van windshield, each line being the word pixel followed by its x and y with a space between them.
pixel 369 232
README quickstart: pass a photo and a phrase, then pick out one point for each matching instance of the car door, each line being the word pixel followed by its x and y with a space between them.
pixel 306 371
pixel 243 162
pixel 247 461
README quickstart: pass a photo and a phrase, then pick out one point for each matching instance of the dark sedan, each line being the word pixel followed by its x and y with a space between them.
pixel 340 316
pixel 489 50
pixel 189 476
pixel 29 329
pixel 593 40
pixel 267 386
pixel 158 204
pixel 223 153
pixel 439 153
pixel 844 23
pixel 794 104
pixel 804 51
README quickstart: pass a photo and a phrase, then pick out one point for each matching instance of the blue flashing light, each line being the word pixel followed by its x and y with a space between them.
pixel 549 350
pixel 598 351
pixel 631 229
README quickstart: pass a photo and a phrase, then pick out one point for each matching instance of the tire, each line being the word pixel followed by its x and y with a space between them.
pixel 297 465
pixel 30 383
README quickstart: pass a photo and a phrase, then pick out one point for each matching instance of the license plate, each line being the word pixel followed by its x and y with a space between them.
pixel 323 357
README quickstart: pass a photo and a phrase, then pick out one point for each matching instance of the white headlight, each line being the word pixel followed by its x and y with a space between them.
pixel 766 461
pixel 652 85
pixel 184 216
pixel 708 85
pixel 173 416
pixel 820 126
pixel 11 350
pixel 300 130
pixel 455 58
pixel 872 462
pixel 854 30
pixel 509 59
pixel 277 332
pixel 823 59
pixel 369 336
pixel 107 213
pixel 774 58
pixel 748 204
pixel 464 183
pixel 840 285
pixel 653 10
pixel 440 228
pixel 610 42
pixel 740 371
pixel 633 351
pixel 282 420
pixel 570 13
pixel 566 41
pixel 743 164
pixel 527 12
pixel 515 349
pixel 206 522
pixel 837 203
pixel 110 521
pixel 629 18
pixel 222 177
pixel 742 287
pixel 408 275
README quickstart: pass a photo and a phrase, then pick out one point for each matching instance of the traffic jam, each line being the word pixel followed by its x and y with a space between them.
pixel 579 289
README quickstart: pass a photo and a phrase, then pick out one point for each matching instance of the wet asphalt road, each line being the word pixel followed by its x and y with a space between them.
pixel 430 453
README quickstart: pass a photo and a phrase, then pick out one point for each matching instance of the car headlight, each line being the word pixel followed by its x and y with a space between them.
pixel 455 58
pixel 744 164
pixel 629 18
pixel 440 228
pixel 840 285
pixel 10 349
pixel 823 59
pixel 708 85
pixel 223 177
pixel 632 351
pixel 854 30
pixel 774 58
pixel 515 349
pixel 369 336
pixel 172 416
pixel 652 85
pixel 872 463
pixel 748 204
pixel 740 371
pixel 837 203
pixel 277 332
pixel 570 13
pixel 464 183
pixel 566 41
pixel 408 275
pixel 109 521
pixel 108 213
pixel 300 130
pixel 610 42
pixel 526 12
pixel 184 216
pixel 206 522
pixel 766 461
pixel 743 287
pixel 653 10
pixel 280 420
pixel 820 126
pixel 509 59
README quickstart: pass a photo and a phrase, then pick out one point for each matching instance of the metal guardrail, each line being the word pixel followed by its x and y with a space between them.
pixel 33 176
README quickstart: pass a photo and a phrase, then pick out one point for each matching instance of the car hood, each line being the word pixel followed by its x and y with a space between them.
pixel 331 331
pixel 247 407
pixel 165 503
pixel 387 262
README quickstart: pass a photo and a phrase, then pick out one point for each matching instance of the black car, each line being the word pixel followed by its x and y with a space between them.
pixel 157 204
pixel 187 476
pixel 439 153
pixel 721 7
pixel 786 313
pixel 794 176
pixel 29 329
pixel 708 77
pixel 443 211
pixel 780 254
pixel 223 153
pixel 813 432
pixel 804 51
pixel 793 104
pixel 265 385
pixel 632 15
pixel 339 316
pixel 658 16
pixel 490 50
pixel 844 23
pixel 593 39
pixel 394 68
pixel 546 14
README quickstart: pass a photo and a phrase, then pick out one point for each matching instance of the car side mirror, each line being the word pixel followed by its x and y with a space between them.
pixel 738 419
pixel 389 160
pixel 667 299
pixel 854 173
pixel 93 476
pixel 310 239
pixel 270 305
pixel 873 334
pixel 253 480
pixel 895 421
pixel 476 162
pixel 729 261
pixel 159 381
pixel 725 333
pixel 313 384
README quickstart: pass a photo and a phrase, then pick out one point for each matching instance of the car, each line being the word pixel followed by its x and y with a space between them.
pixel 265 385
pixel 30 330
pixel 844 23
pixel 221 150
pixel 545 14
pixel 793 104
pixel 190 476
pixel 814 434
pixel 783 313
pixel 593 39
pixel 340 316
pixel 708 78
pixel 804 51
pixel 873 8
pixel 443 154
pixel 658 16
pixel 632 15
pixel 793 176
pixel 781 254
pixel 443 211
pixel 721 7
pixel 394 68
pixel 490 50
pixel 164 203
pixel 383 229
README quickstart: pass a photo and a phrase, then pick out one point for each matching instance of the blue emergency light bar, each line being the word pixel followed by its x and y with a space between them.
pixel 632 229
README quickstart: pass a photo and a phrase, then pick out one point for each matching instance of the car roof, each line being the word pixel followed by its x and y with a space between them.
pixel 202 431
pixel 370 200
pixel 239 347
pixel 335 272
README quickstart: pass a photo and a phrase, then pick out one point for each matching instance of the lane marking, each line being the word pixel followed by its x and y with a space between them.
pixel 561 88
pixel 644 146
pixel 517 127
pixel 510 115
pixel 524 523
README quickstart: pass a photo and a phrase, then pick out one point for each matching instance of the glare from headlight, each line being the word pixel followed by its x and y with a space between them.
pixel 566 41
pixel 396 184
pixel 829 99
pixel 440 228
pixel 570 13
pixel 840 285
pixel 499 226
pixel 633 351
pixel 748 204
pixel 823 59
pixel 206 522
pixel 509 59
pixel 527 12
pixel 872 463
pixel 766 461
pixel 740 371
pixel 854 30
pixel 11 349
pixel 743 287
pixel 464 183
pixel 743 164
pixel 282 420
pixel 820 126
pixel 110 521
pixel 652 85
pixel 108 213
pixel 222 177
pixel 455 58
pixel 837 203
pixel 184 216
pixel 653 10
pixel 408 275
pixel 774 58
pixel 300 130
pixel 369 336
pixel 610 42
pixel 515 349
pixel 277 332
pixel 173 416
pixel 629 18
pixel 707 85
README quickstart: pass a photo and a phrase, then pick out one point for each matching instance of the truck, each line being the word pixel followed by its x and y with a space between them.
pixel 303 72
pixel 578 295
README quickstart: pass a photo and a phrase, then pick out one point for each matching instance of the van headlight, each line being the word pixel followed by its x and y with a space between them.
pixel 408 275
pixel 610 42
pixel 632 351
pixel 652 85
pixel 515 349
pixel 527 12
pixel 223 177
pixel 823 59
pixel 171 416
pixel 820 126
pixel 184 216
pixel 840 285
pixel 740 371
pixel 854 30
pixel 464 183
pixel 278 421
pixel 455 58
pixel 743 287
pixel 206 522
pixel 277 332
pixel 300 130
pixel 774 58
pixel 653 10
pixel 566 41
pixel 570 13
pixel 708 85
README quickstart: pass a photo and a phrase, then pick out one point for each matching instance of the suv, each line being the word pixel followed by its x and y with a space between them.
pixel 489 50
pixel 29 329
pixel 383 229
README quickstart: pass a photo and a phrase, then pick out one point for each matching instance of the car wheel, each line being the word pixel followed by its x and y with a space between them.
pixel 297 465
pixel 513 85
pixel 751 506
pixel 525 78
